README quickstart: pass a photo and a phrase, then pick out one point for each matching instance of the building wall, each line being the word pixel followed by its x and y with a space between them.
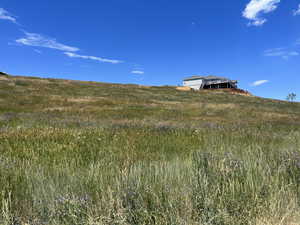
pixel 194 84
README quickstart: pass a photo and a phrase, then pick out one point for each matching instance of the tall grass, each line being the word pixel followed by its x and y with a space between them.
pixel 145 156
pixel 149 176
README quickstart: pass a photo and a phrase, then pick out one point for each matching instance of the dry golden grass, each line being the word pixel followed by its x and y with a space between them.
pixel 85 99
pixel 3 78
pixel 219 106
pixel 57 108
pixel 275 115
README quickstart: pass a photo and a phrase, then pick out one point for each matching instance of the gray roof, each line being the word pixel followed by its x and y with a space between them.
pixel 194 78
pixel 210 77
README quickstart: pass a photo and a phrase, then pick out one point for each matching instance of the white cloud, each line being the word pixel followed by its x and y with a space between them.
pixel 37 51
pixel 297 11
pixel 255 8
pixel 137 72
pixel 259 82
pixel 4 15
pixel 37 40
pixel 281 52
pixel 73 55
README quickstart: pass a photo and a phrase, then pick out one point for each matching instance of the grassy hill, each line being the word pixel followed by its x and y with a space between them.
pixel 94 153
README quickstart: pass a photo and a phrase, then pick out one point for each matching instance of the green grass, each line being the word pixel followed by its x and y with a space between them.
pixel 93 153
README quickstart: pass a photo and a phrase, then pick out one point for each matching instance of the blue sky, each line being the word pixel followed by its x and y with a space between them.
pixel 158 42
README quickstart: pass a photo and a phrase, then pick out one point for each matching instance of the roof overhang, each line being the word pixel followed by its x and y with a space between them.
pixel 194 78
pixel 209 79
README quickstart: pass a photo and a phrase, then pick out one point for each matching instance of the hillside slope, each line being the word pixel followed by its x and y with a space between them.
pixel 76 152
pixel 91 102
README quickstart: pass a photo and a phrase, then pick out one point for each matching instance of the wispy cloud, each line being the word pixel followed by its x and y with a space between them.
pixel 38 40
pixel 4 15
pixel 259 82
pixel 73 55
pixel 297 11
pixel 255 8
pixel 137 72
pixel 37 51
pixel 281 52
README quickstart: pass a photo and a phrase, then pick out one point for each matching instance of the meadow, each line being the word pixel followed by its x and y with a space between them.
pixel 92 153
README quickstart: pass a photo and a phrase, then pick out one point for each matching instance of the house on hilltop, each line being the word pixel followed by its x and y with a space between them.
pixel 209 82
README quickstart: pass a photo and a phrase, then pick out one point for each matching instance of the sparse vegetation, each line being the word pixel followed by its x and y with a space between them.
pixel 94 153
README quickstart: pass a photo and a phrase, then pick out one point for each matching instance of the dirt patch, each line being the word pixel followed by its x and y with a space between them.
pixel 221 90
pixel 183 88
pixel 230 90
pixel 240 92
